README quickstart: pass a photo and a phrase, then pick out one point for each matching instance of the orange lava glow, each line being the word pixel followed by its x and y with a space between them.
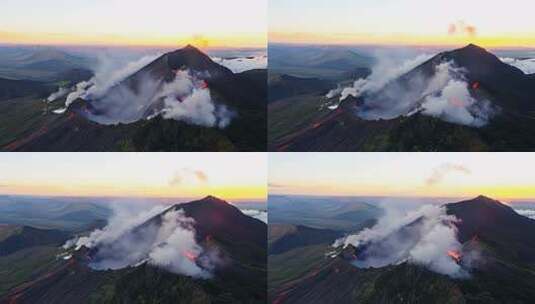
pixel 190 256
pixel 455 255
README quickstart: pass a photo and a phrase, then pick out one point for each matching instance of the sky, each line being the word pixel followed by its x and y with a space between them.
pixel 504 176
pixel 209 23
pixel 231 176
pixel 404 22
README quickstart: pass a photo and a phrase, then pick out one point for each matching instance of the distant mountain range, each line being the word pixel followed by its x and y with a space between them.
pixel 504 273
pixel 52 276
pixel 505 87
pixel 44 64
pixel 244 93
pixel 329 63
pixel 52 213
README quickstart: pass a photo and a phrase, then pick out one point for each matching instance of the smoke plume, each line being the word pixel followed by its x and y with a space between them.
pixel 187 175
pixel 439 173
pixel 131 238
pixel 426 236
pixel 391 91
pixel 61 92
pixel 186 98
pixel 386 70
pixel 461 28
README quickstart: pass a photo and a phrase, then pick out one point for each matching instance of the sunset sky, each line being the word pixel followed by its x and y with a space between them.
pixel 500 175
pixel 406 22
pixel 230 23
pixel 232 176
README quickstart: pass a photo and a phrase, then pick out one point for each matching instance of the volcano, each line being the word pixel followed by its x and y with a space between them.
pixel 396 120
pixel 128 115
pixel 503 273
pixel 241 241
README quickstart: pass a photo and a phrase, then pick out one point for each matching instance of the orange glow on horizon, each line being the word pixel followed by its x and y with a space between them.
pixel 502 193
pixel 103 190
pixel 251 40
pixel 501 41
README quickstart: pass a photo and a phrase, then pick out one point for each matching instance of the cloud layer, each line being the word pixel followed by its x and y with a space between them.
pixel 242 64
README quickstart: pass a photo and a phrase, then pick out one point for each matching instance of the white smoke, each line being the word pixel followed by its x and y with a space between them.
pixel 530 213
pixel 440 172
pixel 448 98
pixel 423 237
pixel 58 94
pixel 386 70
pixel 257 214
pixel 131 239
pixel 445 95
pixel 242 64
pixel 186 98
pixel 525 65
pixel 107 75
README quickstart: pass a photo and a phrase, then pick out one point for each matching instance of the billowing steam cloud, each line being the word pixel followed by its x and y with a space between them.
pixel 186 98
pixel 426 236
pixel 525 65
pixel 107 75
pixel 444 95
pixel 131 238
pixel 383 72
pixel 238 65
pixel 440 172
pixel 462 28
pixel 257 214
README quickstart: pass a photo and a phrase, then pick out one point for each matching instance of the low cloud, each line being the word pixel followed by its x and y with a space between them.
pixel 525 65
pixel 440 172
pixel 257 214
pixel 242 64
pixel 530 213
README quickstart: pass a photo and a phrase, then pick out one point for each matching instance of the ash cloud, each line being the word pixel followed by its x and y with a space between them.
pixel 426 236
pixel 440 172
pixel 444 95
pixel 131 239
pixel 186 98
pixel 187 175
pixel 461 28
pixel 242 64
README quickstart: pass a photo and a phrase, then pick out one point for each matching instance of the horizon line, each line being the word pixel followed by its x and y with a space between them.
pixel 129 197
pixel 398 196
